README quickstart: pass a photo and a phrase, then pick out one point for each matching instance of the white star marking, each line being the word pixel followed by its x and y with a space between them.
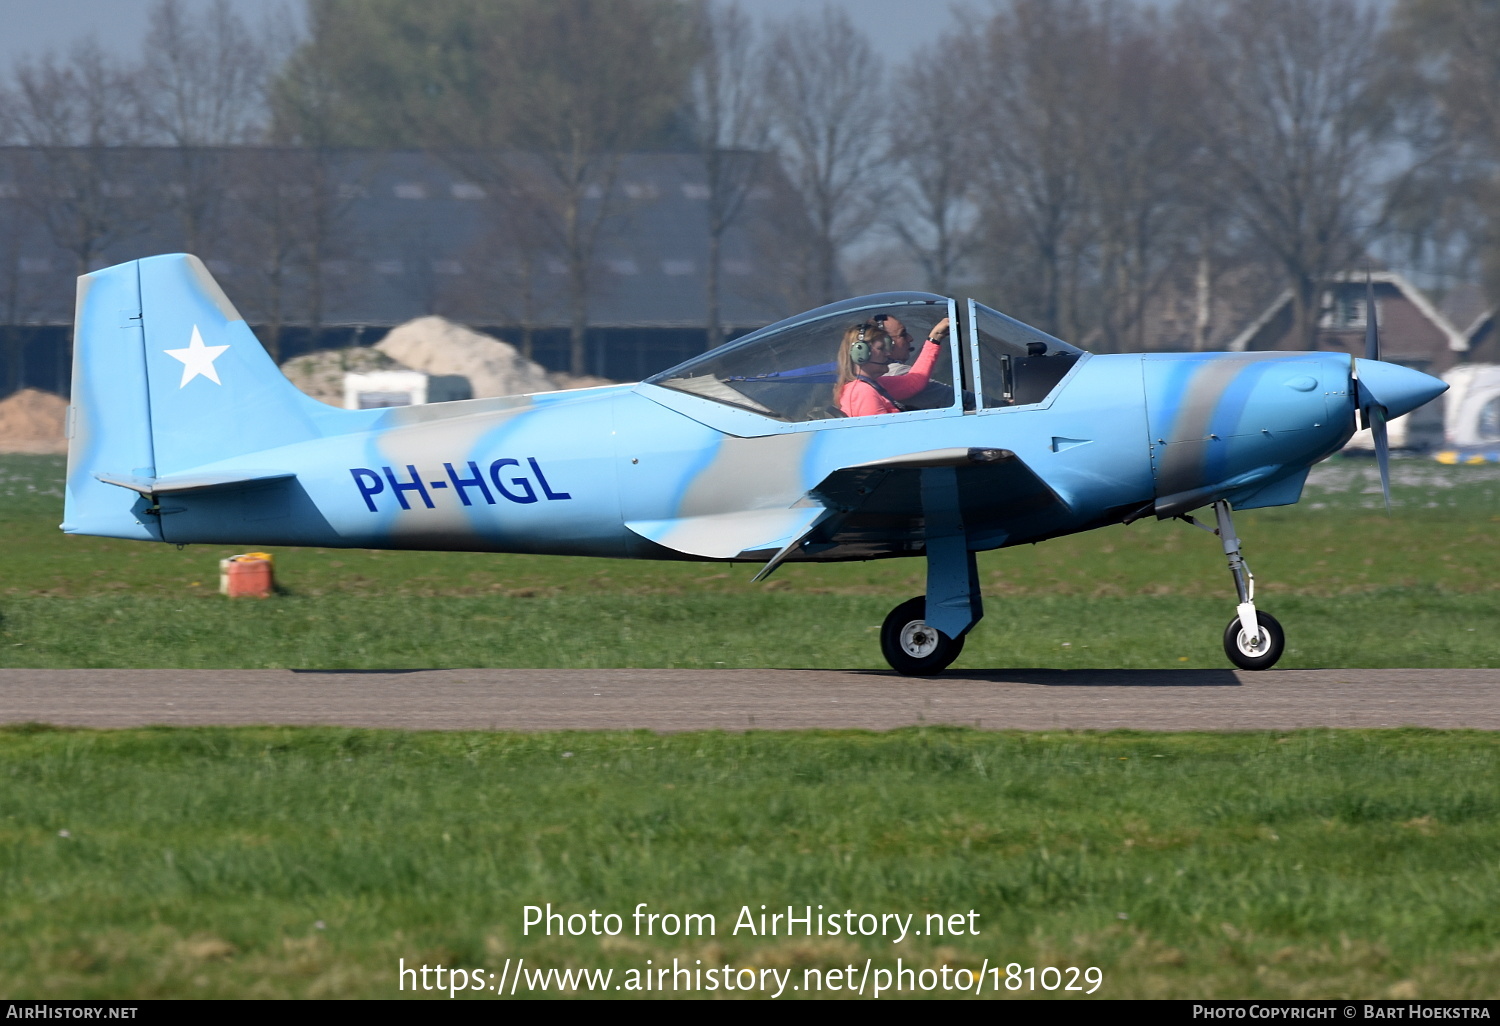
pixel 197 359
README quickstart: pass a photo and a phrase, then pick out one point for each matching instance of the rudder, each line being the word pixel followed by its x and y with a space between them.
pixel 109 416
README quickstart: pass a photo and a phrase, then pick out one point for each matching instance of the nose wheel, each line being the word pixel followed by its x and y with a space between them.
pixel 1254 653
pixel 911 646
pixel 1253 640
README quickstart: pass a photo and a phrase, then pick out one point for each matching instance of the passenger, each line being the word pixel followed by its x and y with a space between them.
pixel 865 355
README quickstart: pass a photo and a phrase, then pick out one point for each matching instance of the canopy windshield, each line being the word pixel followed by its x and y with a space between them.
pixel 1015 363
pixel 788 371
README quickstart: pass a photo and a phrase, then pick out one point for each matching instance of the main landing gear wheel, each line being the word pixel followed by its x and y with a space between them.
pixel 1259 653
pixel 913 648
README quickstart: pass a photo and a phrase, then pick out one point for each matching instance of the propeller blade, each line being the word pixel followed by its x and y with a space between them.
pixel 1372 330
pixel 1382 452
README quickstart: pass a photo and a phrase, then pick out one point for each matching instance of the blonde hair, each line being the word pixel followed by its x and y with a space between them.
pixel 848 370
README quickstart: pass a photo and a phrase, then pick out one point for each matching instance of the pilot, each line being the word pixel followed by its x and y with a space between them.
pixel 865 355
pixel 935 396
pixel 901 342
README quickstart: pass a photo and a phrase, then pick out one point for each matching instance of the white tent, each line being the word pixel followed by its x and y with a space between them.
pixel 1472 408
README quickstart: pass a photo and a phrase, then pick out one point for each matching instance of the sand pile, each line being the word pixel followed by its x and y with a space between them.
pixel 435 345
pixel 562 381
pixel 32 421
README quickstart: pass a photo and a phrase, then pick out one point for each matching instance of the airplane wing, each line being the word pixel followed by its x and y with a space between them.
pixel 879 504
pixel 727 535
pixel 871 509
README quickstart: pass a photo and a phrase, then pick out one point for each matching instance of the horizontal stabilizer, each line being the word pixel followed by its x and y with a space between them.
pixel 727 535
pixel 191 482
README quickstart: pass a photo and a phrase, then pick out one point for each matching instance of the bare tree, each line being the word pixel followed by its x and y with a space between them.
pixel 74 115
pixel 202 85
pixel 731 129
pixel 551 207
pixel 1289 113
pixel 203 80
pixel 932 209
pixel 289 230
pixel 586 86
pixel 17 296
pixel 1034 117
pixel 557 101
pixel 825 92
pixel 1444 212
pixel 1140 142
pixel 305 96
pixel 782 275
pixel 540 98
pixel 1450 51
pixel 506 264
pixel 1061 175
pixel 263 237
pixel 294 220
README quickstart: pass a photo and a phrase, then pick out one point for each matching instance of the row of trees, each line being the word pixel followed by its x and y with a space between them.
pixel 1106 158
pixel 1088 165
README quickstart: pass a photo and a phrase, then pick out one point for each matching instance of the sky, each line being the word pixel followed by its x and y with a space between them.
pixel 32 27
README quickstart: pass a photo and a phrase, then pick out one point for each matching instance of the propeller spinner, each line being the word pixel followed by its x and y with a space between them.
pixel 1386 390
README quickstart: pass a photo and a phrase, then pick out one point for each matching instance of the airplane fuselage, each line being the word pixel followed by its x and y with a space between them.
pixel 565 473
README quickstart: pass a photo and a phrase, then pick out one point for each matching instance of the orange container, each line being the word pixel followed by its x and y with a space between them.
pixel 250 575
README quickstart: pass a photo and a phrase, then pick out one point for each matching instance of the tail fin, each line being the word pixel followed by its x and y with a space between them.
pixel 167 377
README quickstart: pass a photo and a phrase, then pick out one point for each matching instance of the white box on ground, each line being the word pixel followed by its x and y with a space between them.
pixel 378 389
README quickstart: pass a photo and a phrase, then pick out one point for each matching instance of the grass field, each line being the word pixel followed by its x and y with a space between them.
pixel 307 862
pixel 268 862
pixel 1352 586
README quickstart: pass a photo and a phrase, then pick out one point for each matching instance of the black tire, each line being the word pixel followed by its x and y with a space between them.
pixel 911 647
pixel 1273 643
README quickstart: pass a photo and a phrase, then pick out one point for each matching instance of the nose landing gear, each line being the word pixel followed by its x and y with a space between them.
pixel 1259 652
pixel 1253 640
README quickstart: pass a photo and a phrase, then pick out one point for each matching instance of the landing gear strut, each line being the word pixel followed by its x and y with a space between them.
pixel 923 635
pixel 1253 640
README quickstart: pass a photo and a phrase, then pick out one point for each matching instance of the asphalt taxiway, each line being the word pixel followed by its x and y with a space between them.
pixel 673 700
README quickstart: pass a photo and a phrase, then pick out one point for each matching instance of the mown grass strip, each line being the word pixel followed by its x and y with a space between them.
pixel 201 861
pixel 1417 627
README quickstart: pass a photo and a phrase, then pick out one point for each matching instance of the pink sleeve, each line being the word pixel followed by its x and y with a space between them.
pixel 904 386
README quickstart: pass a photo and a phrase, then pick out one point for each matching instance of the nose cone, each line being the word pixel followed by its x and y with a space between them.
pixel 1399 389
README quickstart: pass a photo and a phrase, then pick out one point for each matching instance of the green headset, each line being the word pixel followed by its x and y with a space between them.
pixel 860 351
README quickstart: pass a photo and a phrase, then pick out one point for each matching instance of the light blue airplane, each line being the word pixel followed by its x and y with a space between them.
pixel 182 430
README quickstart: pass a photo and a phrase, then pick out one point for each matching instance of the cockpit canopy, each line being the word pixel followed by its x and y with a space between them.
pixel 788 370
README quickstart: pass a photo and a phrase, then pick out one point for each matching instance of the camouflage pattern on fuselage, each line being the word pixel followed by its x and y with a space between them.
pixel 173 393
